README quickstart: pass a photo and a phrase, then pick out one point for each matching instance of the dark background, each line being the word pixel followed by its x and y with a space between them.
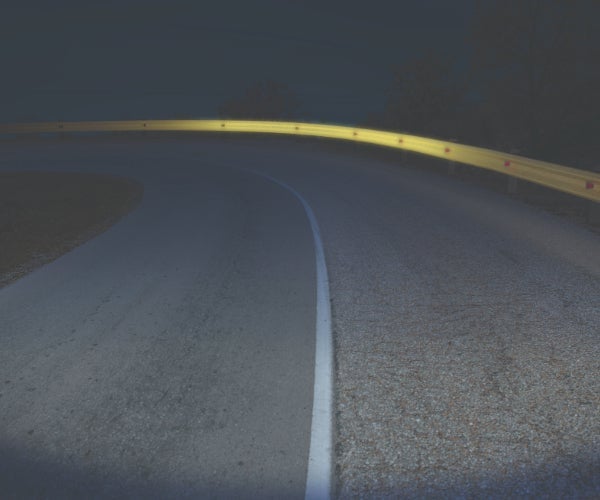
pixel 520 75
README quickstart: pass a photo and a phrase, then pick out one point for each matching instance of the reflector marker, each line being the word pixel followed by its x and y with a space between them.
pixel 581 183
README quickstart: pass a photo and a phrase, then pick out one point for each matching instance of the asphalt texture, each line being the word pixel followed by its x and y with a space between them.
pixel 466 330
pixel 171 356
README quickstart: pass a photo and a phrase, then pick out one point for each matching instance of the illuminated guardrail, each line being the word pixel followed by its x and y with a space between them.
pixel 580 183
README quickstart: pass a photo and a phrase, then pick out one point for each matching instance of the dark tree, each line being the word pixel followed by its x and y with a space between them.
pixel 535 68
pixel 425 97
pixel 267 100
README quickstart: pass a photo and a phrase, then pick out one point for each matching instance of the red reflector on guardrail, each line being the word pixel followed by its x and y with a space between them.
pixel 582 183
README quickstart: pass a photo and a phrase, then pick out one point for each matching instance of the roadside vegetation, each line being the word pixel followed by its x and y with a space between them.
pixel 45 214
pixel 529 84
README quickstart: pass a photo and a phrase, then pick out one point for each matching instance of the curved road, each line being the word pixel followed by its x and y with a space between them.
pixel 173 355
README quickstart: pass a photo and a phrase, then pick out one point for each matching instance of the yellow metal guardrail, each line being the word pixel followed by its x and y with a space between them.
pixel 580 183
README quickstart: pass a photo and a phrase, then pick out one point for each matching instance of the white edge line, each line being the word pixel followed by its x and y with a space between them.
pixel 319 475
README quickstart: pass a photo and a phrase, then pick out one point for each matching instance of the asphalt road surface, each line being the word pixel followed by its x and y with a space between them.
pixel 173 355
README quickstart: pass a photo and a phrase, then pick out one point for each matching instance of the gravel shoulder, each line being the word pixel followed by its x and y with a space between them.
pixel 466 335
pixel 465 326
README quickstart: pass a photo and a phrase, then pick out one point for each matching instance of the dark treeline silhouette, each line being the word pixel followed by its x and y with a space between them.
pixel 268 100
pixel 425 98
pixel 531 86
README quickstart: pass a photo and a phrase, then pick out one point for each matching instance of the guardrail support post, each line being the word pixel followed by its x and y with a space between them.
pixel 593 212
pixel 452 168
pixel 452 164
pixel 512 186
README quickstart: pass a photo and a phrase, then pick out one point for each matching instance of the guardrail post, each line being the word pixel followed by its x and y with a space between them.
pixel 452 163
pixel 512 186
pixel 592 210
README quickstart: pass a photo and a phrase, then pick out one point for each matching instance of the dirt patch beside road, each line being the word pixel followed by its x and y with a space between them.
pixel 45 214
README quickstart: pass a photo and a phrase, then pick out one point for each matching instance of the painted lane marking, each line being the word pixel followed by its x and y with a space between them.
pixel 319 475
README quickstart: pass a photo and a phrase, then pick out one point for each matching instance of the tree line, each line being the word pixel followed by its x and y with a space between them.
pixel 530 84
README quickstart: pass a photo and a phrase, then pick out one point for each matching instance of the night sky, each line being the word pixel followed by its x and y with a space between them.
pixel 124 59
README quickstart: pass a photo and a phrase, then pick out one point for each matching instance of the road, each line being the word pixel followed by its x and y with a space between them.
pixel 173 355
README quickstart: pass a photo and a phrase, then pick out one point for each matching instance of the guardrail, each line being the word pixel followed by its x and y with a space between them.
pixel 577 182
